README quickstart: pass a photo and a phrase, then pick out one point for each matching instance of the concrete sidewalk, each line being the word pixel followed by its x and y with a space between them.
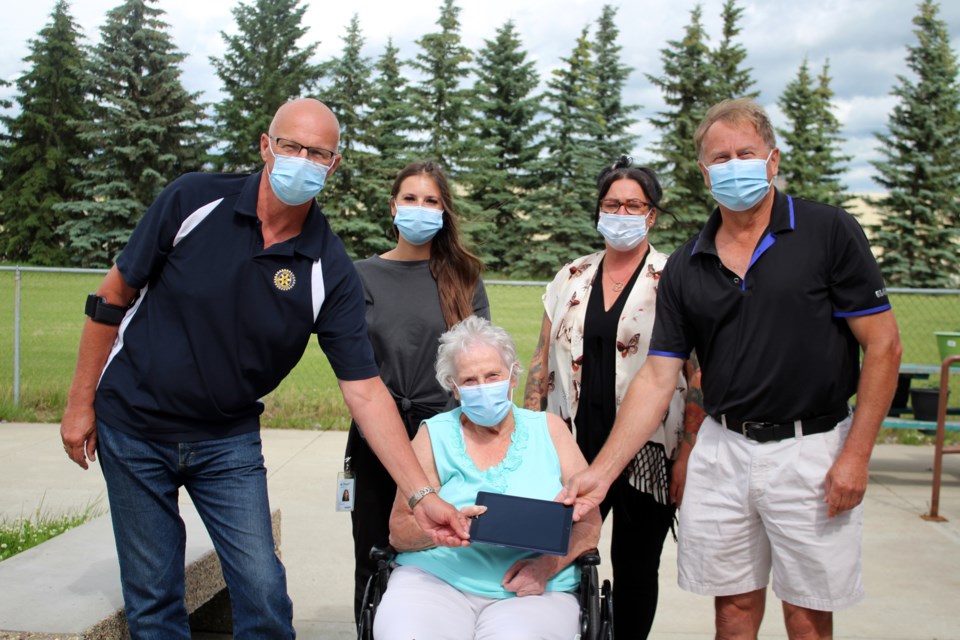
pixel 912 567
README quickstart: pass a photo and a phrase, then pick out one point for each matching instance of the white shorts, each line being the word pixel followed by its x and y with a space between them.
pixel 419 605
pixel 749 507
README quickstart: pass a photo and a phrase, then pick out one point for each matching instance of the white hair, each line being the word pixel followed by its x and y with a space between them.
pixel 470 332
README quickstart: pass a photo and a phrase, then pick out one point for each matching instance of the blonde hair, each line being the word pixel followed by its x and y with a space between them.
pixel 736 111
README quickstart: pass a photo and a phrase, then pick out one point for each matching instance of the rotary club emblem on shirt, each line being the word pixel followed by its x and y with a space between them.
pixel 284 279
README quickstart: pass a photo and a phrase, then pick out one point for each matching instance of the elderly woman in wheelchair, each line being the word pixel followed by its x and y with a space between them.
pixel 485 444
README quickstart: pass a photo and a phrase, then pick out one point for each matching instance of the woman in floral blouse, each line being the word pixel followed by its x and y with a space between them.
pixel 598 317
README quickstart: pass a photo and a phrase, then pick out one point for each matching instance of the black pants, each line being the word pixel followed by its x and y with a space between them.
pixel 373 499
pixel 640 525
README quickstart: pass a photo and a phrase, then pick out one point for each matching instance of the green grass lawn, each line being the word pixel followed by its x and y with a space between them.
pixel 20 534
pixel 52 316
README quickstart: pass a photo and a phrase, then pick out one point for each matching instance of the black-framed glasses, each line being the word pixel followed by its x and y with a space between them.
pixel 634 207
pixel 289 147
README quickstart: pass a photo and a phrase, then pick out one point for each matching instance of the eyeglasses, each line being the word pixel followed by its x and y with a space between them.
pixel 634 207
pixel 315 154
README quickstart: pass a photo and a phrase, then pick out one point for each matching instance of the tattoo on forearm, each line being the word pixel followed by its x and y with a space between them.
pixel 693 413
pixel 535 396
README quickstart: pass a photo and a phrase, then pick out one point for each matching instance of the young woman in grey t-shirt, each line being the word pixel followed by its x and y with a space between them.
pixel 414 293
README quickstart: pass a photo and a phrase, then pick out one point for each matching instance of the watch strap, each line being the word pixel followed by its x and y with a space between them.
pixel 101 311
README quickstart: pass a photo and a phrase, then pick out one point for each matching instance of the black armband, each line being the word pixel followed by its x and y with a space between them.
pixel 99 311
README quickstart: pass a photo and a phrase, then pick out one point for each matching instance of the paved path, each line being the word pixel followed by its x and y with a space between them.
pixel 912 567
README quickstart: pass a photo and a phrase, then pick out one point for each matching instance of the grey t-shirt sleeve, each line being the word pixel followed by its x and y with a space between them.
pixel 481 305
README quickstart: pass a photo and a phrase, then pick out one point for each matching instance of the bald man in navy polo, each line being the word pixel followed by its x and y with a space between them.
pixel 208 307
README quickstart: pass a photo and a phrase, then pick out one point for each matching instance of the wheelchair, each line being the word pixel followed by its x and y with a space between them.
pixel 596 600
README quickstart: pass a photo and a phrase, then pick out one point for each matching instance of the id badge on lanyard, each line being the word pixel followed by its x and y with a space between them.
pixel 346 487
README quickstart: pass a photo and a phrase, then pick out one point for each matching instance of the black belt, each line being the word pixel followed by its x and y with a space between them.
pixel 774 431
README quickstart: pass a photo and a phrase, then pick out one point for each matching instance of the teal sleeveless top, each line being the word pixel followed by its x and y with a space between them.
pixel 531 469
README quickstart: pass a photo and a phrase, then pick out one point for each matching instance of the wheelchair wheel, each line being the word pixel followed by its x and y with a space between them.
pixel 373 591
pixel 606 612
pixel 365 628
pixel 589 595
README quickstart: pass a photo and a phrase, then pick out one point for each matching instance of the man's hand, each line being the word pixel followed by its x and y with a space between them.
pixel 528 577
pixel 585 490
pixel 78 430
pixel 846 483
pixel 446 526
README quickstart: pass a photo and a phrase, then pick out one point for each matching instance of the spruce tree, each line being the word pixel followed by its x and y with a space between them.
pixel 262 68
pixel 687 84
pixel 442 105
pixel 389 125
pixel 558 224
pixel 42 144
pixel 918 232
pixel 731 80
pixel 4 139
pixel 145 127
pixel 614 138
pixel 505 133
pixel 349 92
pixel 812 163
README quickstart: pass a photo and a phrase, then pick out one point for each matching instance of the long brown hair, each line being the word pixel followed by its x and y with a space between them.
pixel 456 270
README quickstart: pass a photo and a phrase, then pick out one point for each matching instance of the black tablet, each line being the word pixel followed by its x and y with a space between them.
pixel 523 523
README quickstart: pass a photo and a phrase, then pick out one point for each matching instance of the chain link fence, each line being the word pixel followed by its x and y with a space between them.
pixel 41 316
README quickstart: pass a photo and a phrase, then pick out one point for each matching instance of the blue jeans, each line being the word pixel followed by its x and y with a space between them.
pixel 227 482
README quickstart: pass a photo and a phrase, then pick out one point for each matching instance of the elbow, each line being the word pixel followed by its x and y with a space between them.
pixel 593 524
pixel 897 351
pixel 396 542
pixel 880 342
pixel 890 349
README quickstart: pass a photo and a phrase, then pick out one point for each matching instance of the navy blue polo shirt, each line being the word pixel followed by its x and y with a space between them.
pixel 775 345
pixel 220 320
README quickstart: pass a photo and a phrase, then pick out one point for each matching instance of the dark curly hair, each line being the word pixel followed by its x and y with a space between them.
pixel 623 168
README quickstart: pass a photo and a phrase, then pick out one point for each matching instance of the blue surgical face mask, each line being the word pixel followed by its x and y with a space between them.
pixel 488 404
pixel 296 180
pixel 622 233
pixel 739 184
pixel 418 225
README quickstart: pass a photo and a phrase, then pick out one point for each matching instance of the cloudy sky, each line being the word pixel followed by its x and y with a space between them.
pixel 864 40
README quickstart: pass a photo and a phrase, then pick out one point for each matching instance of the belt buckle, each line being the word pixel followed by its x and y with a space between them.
pixel 747 427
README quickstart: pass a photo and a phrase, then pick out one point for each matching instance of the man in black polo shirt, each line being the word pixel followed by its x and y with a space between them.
pixel 777 296
pixel 208 308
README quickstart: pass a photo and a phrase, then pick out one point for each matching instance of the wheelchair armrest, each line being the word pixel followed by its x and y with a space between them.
pixel 382 553
pixel 589 558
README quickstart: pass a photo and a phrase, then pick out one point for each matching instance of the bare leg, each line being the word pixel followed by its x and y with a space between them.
pixel 807 624
pixel 738 617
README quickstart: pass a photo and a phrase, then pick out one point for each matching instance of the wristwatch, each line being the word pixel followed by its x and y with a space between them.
pixel 100 311
pixel 419 495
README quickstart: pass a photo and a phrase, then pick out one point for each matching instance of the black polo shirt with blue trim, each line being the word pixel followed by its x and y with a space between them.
pixel 774 345
pixel 220 320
